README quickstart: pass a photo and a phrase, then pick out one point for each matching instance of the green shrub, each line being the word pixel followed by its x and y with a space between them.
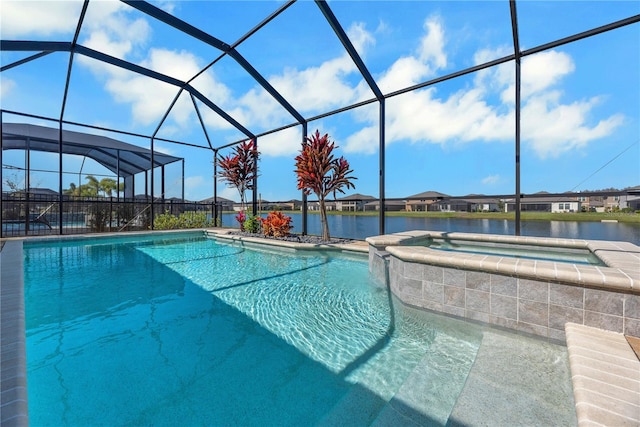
pixel 252 224
pixel 167 221
pixel 99 216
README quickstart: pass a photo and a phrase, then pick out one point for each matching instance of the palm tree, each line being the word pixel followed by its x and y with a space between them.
pixel 92 188
pixel 107 186
pixel 320 172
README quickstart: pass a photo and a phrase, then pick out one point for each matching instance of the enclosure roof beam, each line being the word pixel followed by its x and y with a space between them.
pixel 351 50
pixel 593 32
pixel 192 31
pixel 25 60
pixel 164 78
pixel 12 45
pixel 32 46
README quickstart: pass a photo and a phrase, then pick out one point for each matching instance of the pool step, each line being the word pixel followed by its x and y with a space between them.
pixel 429 392
pixel 357 408
pixel 605 372
pixel 516 381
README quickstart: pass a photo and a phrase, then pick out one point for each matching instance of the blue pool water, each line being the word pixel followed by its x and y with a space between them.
pixel 189 331
pixel 566 255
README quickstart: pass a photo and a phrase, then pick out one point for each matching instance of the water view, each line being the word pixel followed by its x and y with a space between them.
pixel 361 227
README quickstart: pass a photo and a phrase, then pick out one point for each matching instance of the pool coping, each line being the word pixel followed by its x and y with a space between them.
pixel 351 246
pixel 13 376
pixel 622 272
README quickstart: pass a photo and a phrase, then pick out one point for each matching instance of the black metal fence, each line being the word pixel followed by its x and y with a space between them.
pixel 24 214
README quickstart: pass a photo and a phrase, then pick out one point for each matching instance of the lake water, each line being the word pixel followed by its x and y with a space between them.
pixel 361 227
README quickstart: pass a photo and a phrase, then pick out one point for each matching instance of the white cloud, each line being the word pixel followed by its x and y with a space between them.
pixel 364 141
pixel 360 38
pixel 327 86
pixel 284 143
pixel 480 111
pixel 551 128
pixel 491 179
pixel 484 109
pixel 432 44
pixel 148 98
pixel 430 56
pixel 20 19
pixel 165 148
pixel 317 88
pixel 194 186
pixel 258 108
pixel 229 193
pixel 112 31
pixel 6 86
pixel 406 71
pixel 167 6
pixel 544 70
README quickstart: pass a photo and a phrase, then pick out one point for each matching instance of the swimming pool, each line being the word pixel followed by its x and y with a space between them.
pixel 168 331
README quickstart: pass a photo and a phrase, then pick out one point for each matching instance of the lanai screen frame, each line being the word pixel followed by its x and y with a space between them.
pixel 230 49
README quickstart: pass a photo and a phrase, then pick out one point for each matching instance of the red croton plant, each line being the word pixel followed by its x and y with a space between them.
pixel 276 224
pixel 321 173
pixel 239 169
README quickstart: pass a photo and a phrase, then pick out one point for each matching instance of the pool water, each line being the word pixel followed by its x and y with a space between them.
pixel 189 331
pixel 567 255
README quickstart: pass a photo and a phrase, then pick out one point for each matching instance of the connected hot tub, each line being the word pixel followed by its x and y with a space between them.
pixel 529 284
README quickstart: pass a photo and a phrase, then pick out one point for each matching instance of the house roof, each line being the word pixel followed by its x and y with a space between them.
pixel 119 157
pixel 36 191
pixel 356 196
pixel 633 190
pixel 218 199
pixel 428 195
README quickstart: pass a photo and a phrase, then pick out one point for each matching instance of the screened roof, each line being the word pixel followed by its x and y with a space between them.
pixel 424 87
pixel 119 157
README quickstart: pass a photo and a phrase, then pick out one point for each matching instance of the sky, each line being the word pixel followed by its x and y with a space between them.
pixel 580 116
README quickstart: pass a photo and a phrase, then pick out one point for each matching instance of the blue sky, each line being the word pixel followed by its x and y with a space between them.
pixel 580 102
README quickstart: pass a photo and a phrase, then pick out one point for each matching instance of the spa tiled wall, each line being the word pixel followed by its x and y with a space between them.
pixel 537 307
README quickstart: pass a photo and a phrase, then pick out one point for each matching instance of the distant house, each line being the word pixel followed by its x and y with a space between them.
pixel 224 204
pixel 389 205
pixel 592 203
pixel 315 206
pixel 600 203
pixel 484 205
pixel 292 205
pixel 289 205
pixel 545 204
pixel 423 202
pixel 631 200
pixel 43 194
pixel 353 203
pixel 465 205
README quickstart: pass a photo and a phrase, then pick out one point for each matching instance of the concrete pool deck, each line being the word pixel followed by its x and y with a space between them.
pixel 13 382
